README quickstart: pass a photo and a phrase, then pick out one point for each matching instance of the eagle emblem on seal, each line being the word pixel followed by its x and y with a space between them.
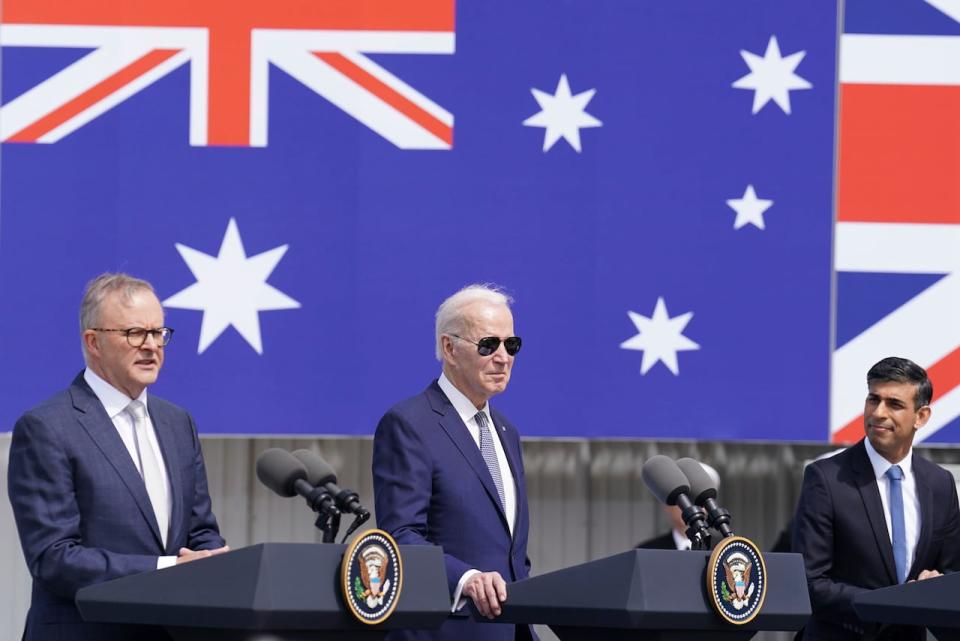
pixel 738 588
pixel 372 585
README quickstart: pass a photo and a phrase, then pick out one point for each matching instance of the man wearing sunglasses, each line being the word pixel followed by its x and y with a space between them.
pixel 448 468
pixel 104 481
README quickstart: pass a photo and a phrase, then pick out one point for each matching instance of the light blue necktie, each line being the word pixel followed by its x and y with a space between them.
pixel 898 525
pixel 490 456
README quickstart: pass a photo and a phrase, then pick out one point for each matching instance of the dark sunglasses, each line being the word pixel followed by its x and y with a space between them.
pixel 489 344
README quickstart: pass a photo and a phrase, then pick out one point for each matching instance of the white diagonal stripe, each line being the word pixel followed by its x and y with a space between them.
pixel 355 100
pixel 108 102
pixel 943 410
pixel 63 86
pixel 400 87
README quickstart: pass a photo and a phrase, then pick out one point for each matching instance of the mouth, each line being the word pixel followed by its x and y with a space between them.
pixel 146 362
pixel 879 428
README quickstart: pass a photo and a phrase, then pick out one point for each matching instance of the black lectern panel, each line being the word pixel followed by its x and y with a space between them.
pixel 932 603
pixel 659 592
pixel 269 587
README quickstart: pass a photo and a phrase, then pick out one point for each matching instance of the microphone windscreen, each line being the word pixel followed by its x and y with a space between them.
pixel 279 470
pixel 664 479
pixel 319 472
pixel 702 487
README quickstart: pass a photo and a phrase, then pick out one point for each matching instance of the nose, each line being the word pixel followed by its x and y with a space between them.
pixel 880 411
pixel 151 342
pixel 501 355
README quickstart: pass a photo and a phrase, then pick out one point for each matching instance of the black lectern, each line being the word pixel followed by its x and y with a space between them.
pixel 278 591
pixel 651 594
pixel 932 603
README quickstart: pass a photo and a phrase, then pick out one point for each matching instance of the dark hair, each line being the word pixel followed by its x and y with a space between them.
pixel 903 370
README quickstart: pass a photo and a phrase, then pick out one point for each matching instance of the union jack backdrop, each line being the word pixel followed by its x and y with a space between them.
pixel 653 182
pixel 897 238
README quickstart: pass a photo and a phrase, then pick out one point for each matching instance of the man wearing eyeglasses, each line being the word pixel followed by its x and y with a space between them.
pixel 448 468
pixel 104 480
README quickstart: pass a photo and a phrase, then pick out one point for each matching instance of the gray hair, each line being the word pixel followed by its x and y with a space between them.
pixel 450 313
pixel 97 291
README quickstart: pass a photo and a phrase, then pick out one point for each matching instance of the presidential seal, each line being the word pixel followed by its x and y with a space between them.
pixel 372 576
pixel 736 579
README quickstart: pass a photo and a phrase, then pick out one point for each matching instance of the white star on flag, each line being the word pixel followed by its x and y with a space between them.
pixel 660 337
pixel 749 208
pixel 772 77
pixel 231 289
pixel 562 114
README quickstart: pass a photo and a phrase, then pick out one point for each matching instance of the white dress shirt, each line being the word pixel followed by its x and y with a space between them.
pixel 911 502
pixel 467 412
pixel 115 403
pixel 680 540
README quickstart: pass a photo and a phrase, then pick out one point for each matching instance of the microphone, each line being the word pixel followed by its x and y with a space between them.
pixel 287 476
pixel 321 474
pixel 703 489
pixel 669 484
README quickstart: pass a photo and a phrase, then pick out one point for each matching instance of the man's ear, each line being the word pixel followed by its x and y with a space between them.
pixel 923 415
pixel 446 347
pixel 91 341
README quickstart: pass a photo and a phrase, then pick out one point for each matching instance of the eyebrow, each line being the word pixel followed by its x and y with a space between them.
pixel 888 399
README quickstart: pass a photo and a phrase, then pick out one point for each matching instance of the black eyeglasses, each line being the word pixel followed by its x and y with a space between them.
pixel 137 336
pixel 489 344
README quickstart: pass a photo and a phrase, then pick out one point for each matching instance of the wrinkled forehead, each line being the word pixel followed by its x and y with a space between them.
pixel 139 307
pixel 487 319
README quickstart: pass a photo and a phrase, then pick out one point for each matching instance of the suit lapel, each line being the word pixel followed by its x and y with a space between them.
pixel 164 431
pixel 513 456
pixel 925 495
pixel 93 418
pixel 515 459
pixel 452 424
pixel 870 494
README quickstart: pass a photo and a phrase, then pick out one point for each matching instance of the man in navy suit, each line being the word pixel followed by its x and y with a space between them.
pixel 448 468
pixel 876 514
pixel 104 481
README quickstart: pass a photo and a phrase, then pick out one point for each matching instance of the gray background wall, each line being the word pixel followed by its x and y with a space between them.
pixel 587 499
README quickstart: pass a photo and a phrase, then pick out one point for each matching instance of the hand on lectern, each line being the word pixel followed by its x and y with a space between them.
pixel 927 574
pixel 186 554
pixel 487 590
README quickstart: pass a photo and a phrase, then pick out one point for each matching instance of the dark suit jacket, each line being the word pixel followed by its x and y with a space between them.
pixel 840 529
pixel 663 542
pixel 431 486
pixel 82 510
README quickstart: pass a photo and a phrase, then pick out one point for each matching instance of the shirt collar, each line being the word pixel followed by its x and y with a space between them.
pixel 680 540
pixel 460 402
pixel 112 399
pixel 881 465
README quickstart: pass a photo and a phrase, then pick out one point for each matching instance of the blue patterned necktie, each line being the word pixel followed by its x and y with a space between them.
pixel 490 455
pixel 898 525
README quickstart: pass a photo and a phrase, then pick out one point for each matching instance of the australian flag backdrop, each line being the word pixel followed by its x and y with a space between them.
pixel 713 217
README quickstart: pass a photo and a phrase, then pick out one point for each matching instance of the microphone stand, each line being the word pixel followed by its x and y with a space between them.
pixel 700 539
pixel 329 525
pixel 362 517
pixel 328 519
pixel 693 516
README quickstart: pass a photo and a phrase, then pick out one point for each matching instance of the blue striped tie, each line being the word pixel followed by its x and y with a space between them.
pixel 490 455
pixel 898 525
